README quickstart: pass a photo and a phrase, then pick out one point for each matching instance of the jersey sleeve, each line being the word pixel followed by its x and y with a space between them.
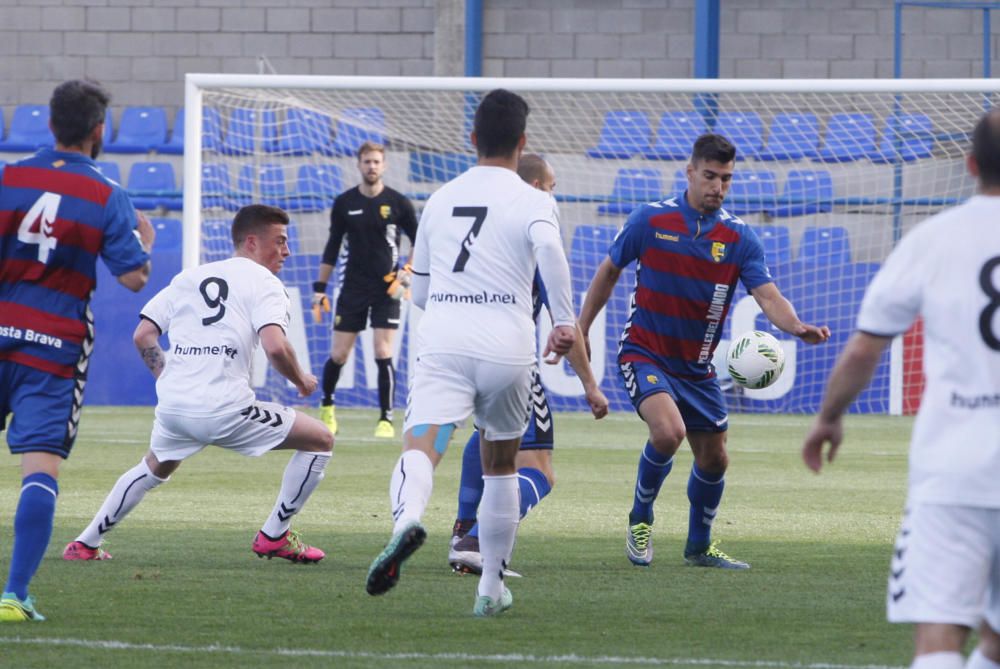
pixel 121 250
pixel 337 229
pixel 408 220
pixel 420 257
pixel 753 268
pixel 160 309
pixel 271 305
pixel 627 245
pixel 893 299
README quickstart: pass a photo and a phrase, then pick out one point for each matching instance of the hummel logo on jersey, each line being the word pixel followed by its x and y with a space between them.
pixel 355 212
pixel 224 350
pixel 262 416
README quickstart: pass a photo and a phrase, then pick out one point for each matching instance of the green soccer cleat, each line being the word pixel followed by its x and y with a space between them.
pixel 713 557
pixel 328 415
pixel 385 430
pixel 487 607
pixel 384 571
pixel 639 544
pixel 15 610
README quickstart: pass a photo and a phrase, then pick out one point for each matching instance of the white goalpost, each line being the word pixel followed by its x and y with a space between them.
pixel 830 174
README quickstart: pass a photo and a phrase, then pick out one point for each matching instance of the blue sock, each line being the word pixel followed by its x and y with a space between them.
pixel 32 530
pixel 704 493
pixel 653 469
pixel 470 486
pixel 533 486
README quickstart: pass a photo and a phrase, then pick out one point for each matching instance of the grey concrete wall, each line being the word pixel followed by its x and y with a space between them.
pixel 141 48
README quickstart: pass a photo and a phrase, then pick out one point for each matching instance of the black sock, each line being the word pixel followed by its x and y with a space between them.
pixel 386 386
pixel 331 372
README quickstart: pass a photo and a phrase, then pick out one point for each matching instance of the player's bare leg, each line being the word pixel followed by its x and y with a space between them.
pixel 409 490
pixel 987 653
pixel 343 344
pixel 939 646
pixel 382 340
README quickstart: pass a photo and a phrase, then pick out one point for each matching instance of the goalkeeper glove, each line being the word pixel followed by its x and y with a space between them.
pixel 320 301
pixel 399 283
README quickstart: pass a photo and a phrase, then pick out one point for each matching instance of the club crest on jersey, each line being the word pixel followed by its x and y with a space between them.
pixel 384 211
pixel 718 251
pixel 651 378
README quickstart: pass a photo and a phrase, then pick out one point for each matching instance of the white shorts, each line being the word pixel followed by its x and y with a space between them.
pixel 946 566
pixel 449 388
pixel 253 431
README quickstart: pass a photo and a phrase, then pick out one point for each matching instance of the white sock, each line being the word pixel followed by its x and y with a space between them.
pixel 943 660
pixel 126 494
pixel 302 474
pixel 499 515
pixel 979 661
pixel 410 487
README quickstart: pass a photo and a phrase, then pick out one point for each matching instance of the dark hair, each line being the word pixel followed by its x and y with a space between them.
pixel 76 108
pixel 499 124
pixel 713 147
pixel 253 218
pixel 531 167
pixel 986 148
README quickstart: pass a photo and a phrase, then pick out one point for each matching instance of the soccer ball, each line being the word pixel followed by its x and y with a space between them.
pixel 755 359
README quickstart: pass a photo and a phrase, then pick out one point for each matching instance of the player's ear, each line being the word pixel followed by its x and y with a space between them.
pixel 473 139
pixel 972 166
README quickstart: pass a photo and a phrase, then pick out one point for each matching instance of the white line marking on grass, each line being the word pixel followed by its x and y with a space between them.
pixel 459 657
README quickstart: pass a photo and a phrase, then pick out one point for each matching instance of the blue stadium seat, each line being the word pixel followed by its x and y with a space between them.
pixel 303 133
pixel 175 143
pixel 680 183
pixel 263 183
pixel 216 187
pixel 429 167
pixel 806 192
pixel 152 185
pixel 906 137
pixel 633 186
pixel 744 129
pixel 110 169
pixel 848 137
pixel 792 137
pixel 675 135
pixel 356 126
pixel 591 242
pixel 168 234
pixel 108 126
pixel 315 188
pixel 3 129
pixel 29 129
pixel 751 192
pixel 777 241
pixel 140 130
pixel 825 246
pixel 216 239
pixel 624 134
pixel 240 138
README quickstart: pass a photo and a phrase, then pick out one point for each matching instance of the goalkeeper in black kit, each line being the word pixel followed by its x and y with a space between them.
pixel 369 219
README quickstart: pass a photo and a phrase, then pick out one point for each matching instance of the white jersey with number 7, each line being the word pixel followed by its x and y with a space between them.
pixel 481 237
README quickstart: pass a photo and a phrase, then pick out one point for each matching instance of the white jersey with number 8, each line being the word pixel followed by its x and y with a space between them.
pixel 475 241
pixel 212 314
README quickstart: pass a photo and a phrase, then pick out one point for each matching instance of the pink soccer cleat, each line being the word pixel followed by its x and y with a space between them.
pixel 289 546
pixel 77 550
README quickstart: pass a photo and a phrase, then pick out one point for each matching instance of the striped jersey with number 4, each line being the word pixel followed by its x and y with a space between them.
pixel 212 314
pixel 947 270
pixel 477 241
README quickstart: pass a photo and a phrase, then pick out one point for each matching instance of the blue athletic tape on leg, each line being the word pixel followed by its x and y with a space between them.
pixel 443 437
pixel 32 530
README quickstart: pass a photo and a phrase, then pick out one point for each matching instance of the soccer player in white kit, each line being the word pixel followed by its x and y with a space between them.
pixel 216 315
pixel 479 241
pixel 945 570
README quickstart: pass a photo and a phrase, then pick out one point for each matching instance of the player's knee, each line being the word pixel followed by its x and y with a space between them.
pixel 667 440
pixel 324 439
pixel 339 358
pixel 716 462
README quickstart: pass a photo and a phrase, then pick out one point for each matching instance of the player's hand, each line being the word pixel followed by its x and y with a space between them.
pixel 813 334
pixel 145 231
pixel 560 342
pixel 598 402
pixel 307 386
pixel 399 283
pixel 822 432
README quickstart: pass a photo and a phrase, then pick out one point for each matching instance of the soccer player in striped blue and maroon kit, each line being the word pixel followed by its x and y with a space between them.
pixel 689 254
pixel 57 215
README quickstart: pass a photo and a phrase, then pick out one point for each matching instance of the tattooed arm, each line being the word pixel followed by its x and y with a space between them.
pixel 146 338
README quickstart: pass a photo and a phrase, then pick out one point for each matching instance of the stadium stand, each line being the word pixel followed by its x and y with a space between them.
pixel 744 129
pixel 624 134
pixel 110 169
pixel 140 130
pixel 216 187
pixel 175 143
pixel 805 192
pixel 152 185
pixel 906 137
pixel 777 241
pixel 29 129
pixel 825 246
pixel 675 135
pixel 431 167
pixel 751 192
pixel 315 188
pixel 792 136
pixel 303 133
pixel 264 184
pixel 632 187
pixel 356 126
pixel 848 137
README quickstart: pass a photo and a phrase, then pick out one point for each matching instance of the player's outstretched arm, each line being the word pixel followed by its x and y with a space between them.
pixel 281 355
pixel 780 311
pixel 147 340
pixel 598 295
pixel 580 363
pixel 852 372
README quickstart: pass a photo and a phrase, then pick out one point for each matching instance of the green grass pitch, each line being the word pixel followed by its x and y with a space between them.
pixel 184 589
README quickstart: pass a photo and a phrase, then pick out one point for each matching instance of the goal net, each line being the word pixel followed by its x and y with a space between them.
pixel 830 174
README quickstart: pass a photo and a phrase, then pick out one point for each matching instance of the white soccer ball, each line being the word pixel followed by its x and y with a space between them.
pixel 755 359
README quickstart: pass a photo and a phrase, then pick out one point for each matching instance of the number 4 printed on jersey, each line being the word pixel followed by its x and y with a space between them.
pixel 43 212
